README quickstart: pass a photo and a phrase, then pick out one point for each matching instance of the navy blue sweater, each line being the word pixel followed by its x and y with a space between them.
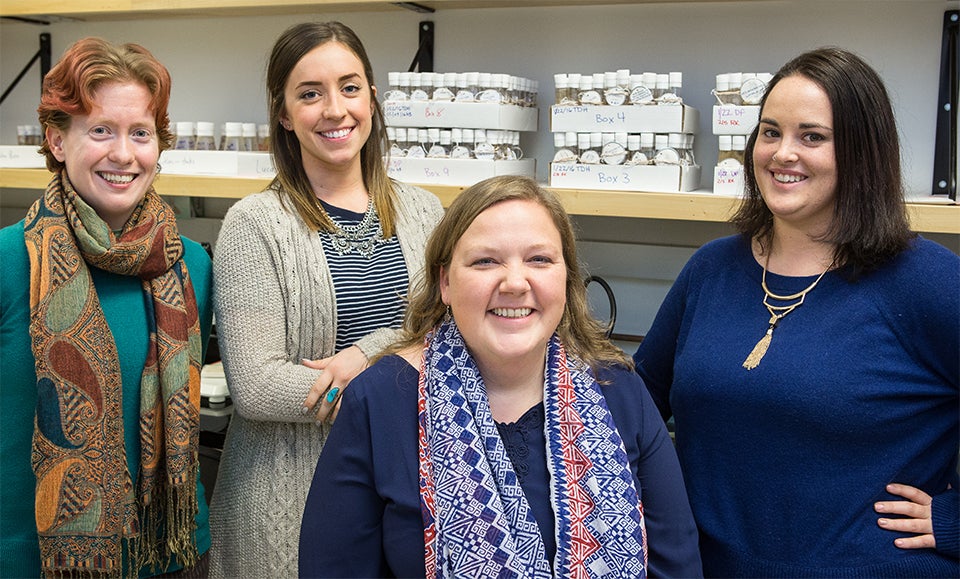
pixel 858 389
pixel 363 519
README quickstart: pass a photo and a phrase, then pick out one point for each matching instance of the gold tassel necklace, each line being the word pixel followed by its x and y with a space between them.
pixel 776 312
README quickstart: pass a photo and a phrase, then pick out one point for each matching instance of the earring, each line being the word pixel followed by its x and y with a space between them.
pixel 448 315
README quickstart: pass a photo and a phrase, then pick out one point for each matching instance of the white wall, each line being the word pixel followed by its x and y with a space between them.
pixel 218 70
pixel 218 64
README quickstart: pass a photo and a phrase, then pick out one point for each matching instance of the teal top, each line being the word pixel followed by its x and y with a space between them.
pixel 123 306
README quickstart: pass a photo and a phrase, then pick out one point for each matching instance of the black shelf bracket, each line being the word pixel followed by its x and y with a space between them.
pixel 945 148
pixel 423 59
pixel 43 55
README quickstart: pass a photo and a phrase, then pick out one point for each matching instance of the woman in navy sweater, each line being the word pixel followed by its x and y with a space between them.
pixel 506 437
pixel 811 362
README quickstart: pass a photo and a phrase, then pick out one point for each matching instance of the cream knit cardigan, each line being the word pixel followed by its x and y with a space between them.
pixel 274 304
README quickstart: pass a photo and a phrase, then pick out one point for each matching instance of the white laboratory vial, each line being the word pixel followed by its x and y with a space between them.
pixel 469 91
pixel 562 151
pixel 401 144
pixel 248 134
pixel 588 95
pixel 614 151
pixel 489 85
pixel 674 88
pixel 263 137
pixel 22 132
pixel 613 93
pixel 462 143
pixel 205 140
pixel 639 93
pixel 633 150
pixel 666 155
pixel 677 142
pixel 418 92
pixel 416 141
pixel 186 136
pixel 482 148
pixel 561 96
pixel 446 141
pixel 392 148
pixel 394 93
pixel 751 89
pixel 736 83
pixel 623 79
pixel 739 143
pixel 444 86
pixel 662 86
pixel 648 147
pixel 435 150
pixel 725 156
pixel 232 137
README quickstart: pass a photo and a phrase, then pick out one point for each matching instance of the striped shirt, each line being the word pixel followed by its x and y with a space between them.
pixel 370 290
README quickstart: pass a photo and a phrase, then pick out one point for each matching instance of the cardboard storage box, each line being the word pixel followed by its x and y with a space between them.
pixel 735 120
pixel 219 163
pixel 626 119
pixel 466 115
pixel 647 178
pixel 21 157
pixel 460 172
pixel 728 180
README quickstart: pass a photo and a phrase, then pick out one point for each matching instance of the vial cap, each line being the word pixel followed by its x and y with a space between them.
pixel 676 79
pixel 609 79
pixel 646 140
pixel 249 129
pixel 650 80
pixel 726 142
pixel 633 142
pixel 404 79
pixel 620 137
pixel 583 140
pixel 663 81
pixel 183 128
pixel 660 140
pixel 263 130
pixel 433 134
pixel 446 137
pixel 570 138
pixel 675 140
pixel 559 140
pixel 468 135
pixel 736 79
pixel 456 134
pixel 204 129
pixel 401 134
pixel 596 139
pixel 393 78
pixel 739 142
pixel 723 82
pixel 233 129
pixel 598 79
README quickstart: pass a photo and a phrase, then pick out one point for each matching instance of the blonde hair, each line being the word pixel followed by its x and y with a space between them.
pixel 581 334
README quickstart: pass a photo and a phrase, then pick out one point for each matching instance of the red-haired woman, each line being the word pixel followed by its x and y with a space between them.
pixel 104 310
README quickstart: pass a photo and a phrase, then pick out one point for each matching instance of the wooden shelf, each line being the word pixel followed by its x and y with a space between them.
pixel 132 9
pixel 935 216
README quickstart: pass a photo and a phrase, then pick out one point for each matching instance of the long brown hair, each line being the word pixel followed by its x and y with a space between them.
pixel 870 223
pixel 71 85
pixel 291 182
pixel 581 333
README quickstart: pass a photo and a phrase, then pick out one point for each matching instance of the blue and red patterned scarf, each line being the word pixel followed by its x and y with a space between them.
pixel 477 521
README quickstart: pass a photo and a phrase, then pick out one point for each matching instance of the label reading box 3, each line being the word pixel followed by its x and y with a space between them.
pixel 648 178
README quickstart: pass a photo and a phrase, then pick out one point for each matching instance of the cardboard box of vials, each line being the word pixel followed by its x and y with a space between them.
pixel 460 172
pixel 647 178
pixel 460 114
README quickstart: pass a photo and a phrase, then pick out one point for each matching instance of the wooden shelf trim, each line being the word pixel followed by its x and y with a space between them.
pixel 697 206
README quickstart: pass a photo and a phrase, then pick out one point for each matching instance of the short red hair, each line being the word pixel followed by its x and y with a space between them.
pixel 69 87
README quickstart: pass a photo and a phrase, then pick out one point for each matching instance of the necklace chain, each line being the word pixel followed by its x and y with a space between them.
pixel 777 312
pixel 361 237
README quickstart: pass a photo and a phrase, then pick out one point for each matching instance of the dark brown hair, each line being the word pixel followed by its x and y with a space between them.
pixel 71 85
pixel 291 182
pixel 870 223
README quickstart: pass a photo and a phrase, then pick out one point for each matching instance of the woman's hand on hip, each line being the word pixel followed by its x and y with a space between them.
pixel 915 517
pixel 338 370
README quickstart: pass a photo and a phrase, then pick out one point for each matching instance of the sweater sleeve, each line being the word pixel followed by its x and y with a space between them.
pixel 655 356
pixel 249 303
pixel 945 512
pixel 344 490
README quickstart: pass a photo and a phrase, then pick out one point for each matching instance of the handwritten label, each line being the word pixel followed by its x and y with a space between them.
pixel 397 110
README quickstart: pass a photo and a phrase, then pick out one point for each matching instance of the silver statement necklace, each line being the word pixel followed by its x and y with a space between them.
pixel 362 238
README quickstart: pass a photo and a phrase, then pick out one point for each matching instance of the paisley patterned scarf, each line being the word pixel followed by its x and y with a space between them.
pixel 477 522
pixel 88 513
